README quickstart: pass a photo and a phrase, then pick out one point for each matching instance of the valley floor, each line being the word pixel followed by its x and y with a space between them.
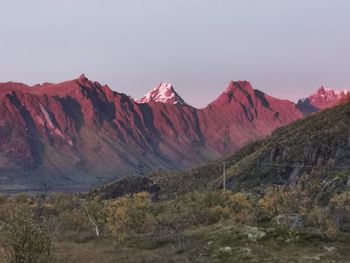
pixel 207 244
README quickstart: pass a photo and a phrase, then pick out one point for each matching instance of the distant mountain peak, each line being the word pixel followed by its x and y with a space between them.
pixel 82 77
pixel 241 91
pixel 163 93
pixel 240 84
pixel 327 94
pixel 323 98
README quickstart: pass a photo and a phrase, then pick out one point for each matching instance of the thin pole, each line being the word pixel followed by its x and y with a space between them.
pixel 224 177
pixel 349 129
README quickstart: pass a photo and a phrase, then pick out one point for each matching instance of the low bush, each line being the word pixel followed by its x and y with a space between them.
pixel 26 240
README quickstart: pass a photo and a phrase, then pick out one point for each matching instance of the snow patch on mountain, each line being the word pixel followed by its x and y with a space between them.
pixel 327 94
pixel 163 93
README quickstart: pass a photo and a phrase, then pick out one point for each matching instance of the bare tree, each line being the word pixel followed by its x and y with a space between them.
pixel 92 221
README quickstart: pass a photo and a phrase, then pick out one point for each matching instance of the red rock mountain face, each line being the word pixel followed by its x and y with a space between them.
pixel 80 133
pixel 322 99
pixel 241 115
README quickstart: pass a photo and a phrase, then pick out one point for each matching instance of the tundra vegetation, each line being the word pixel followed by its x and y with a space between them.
pixel 207 226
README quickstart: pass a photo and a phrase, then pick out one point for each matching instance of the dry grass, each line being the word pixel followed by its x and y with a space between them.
pixel 104 251
pixel 205 245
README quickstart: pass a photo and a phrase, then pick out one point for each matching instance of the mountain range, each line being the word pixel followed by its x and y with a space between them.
pixel 80 133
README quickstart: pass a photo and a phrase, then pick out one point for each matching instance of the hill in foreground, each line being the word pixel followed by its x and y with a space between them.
pixel 315 148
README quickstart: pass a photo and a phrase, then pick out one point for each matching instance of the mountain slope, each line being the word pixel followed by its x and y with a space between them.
pixel 315 148
pixel 80 133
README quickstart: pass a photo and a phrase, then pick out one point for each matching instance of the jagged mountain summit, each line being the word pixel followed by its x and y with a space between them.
pixel 81 133
pixel 163 93
pixel 323 98
pixel 241 114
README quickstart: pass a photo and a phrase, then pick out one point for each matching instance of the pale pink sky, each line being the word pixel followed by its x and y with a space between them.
pixel 284 48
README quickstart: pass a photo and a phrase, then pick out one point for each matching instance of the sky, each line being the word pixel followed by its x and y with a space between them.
pixel 286 48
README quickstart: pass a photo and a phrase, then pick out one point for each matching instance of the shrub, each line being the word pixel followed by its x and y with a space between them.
pixel 26 240
pixel 3 199
pixel 285 201
pixel 130 214
pixel 320 218
pixel 206 208
pixel 339 208
pixel 22 198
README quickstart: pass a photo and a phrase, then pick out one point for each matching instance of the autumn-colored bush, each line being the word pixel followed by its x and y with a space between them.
pixel 206 208
pixel 137 214
pixel 26 240
pixel 321 219
pixel 339 208
pixel 279 200
pixel 329 218
pixel 131 214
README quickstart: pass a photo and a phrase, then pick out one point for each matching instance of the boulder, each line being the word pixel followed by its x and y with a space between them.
pixel 293 221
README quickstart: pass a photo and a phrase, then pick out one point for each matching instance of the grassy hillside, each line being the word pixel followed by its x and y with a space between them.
pixel 317 147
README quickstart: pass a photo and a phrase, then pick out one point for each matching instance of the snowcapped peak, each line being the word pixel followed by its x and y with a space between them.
pixel 330 94
pixel 323 98
pixel 163 93
pixel 341 92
